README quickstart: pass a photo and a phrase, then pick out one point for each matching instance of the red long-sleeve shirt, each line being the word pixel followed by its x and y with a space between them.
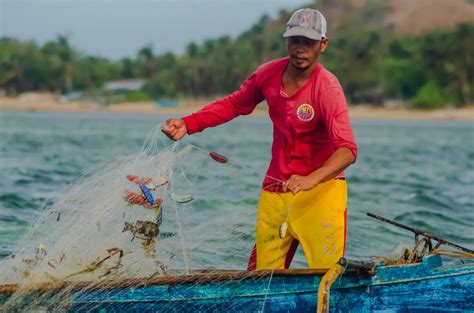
pixel 308 127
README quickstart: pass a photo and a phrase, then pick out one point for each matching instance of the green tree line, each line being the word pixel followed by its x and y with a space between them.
pixel 429 70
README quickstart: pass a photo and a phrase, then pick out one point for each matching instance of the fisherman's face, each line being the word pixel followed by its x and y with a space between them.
pixel 304 52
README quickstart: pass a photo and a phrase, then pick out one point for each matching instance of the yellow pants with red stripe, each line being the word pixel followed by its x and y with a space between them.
pixel 316 218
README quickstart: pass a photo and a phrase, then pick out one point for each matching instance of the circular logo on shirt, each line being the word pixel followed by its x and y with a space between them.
pixel 305 112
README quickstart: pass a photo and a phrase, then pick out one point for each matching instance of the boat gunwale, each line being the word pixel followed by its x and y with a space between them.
pixel 211 276
pixel 198 276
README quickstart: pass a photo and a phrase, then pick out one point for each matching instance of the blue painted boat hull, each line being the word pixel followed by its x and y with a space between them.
pixel 420 287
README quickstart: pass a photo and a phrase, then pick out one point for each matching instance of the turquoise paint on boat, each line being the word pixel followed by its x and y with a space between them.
pixel 423 287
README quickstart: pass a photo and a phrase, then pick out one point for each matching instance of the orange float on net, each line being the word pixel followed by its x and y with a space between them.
pixel 218 157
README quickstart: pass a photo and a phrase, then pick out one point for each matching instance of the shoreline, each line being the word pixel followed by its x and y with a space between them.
pixel 355 111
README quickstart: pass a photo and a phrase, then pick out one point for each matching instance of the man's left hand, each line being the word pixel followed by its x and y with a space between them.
pixel 298 183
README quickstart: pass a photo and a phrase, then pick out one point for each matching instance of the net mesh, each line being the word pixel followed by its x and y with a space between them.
pixel 102 228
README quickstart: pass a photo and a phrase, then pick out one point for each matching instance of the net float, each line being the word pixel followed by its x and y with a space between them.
pixel 282 230
pixel 218 157
pixel 182 199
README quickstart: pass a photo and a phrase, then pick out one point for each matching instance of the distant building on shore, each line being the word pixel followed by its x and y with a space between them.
pixel 124 85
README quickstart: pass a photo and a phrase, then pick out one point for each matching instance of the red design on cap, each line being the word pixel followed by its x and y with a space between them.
pixel 304 19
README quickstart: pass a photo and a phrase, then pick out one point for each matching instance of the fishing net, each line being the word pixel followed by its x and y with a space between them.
pixel 168 211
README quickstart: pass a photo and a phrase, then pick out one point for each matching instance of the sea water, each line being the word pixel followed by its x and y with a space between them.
pixel 420 173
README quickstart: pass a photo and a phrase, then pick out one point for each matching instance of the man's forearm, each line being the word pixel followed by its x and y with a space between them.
pixel 339 161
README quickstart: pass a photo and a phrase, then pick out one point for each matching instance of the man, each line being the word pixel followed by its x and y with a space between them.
pixel 312 144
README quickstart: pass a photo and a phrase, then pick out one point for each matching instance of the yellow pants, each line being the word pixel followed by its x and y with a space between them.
pixel 316 218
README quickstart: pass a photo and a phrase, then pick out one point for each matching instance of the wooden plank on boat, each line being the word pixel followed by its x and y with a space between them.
pixel 197 276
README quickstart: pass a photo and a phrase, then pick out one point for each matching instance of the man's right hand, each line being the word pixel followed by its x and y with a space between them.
pixel 175 129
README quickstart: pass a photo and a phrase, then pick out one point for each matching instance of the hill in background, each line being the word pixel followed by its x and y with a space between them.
pixel 416 17
pixel 398 17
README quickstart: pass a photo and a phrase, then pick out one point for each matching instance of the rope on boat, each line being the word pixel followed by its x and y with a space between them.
pixel 453 253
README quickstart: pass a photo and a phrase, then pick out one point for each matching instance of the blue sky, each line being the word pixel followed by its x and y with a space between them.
pixel 118 28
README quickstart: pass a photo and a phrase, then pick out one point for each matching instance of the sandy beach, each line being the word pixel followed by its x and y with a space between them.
pixel 47 103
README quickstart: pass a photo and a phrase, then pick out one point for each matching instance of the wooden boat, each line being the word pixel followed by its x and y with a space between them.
pixel 425 285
